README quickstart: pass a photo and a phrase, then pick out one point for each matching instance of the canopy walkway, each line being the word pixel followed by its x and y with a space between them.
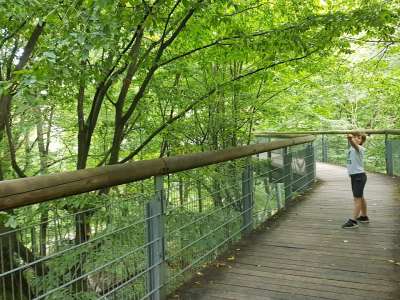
pixel 306 255
pixel 247 222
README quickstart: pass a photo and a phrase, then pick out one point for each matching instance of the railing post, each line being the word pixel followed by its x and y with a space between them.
pixel 388 156
pixel 247 194
pixel 324 148
pixel 309 160
pixel 156 244
pixel 287 173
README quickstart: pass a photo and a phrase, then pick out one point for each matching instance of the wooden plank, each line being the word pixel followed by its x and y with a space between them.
pixel 325 242
pixel 299 288
pixel 241 270
pixel 215 290
pixel 318 272
pixel 385 268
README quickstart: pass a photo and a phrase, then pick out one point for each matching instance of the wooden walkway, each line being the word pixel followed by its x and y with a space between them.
pixel 307 255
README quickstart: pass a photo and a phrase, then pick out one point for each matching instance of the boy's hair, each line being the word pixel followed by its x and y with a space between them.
pixel 362 135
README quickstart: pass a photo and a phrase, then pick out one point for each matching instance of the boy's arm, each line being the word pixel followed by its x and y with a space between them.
pixel 352 143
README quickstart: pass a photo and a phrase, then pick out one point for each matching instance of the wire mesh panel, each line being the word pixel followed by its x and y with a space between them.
pixel 280 176
pixel 395 152
pixel 89 246
pixel 204 216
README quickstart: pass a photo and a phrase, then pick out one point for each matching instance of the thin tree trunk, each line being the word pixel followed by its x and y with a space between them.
pixel 43 153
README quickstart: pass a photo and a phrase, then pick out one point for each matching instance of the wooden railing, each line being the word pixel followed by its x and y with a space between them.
pixel 31 190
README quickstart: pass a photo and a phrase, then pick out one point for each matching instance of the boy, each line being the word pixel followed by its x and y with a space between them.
pixel 358 178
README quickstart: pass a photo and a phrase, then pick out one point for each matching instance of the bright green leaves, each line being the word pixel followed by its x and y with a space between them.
pixel 8 220
pixel 51 56
pixel 84 44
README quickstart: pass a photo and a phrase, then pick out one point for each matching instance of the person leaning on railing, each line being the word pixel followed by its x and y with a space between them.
pixel 355 169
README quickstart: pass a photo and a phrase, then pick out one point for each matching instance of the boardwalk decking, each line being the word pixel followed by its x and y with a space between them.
pixel 306 255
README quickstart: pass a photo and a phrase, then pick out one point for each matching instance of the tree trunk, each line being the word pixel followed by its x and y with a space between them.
pixel 43 153
pixel 118 135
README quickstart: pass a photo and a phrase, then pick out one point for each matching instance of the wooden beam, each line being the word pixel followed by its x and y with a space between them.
pixel 26 191
pixel 297 133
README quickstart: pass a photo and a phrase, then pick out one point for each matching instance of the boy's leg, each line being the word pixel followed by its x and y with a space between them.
pixel 363 212
pixel 352 223
pixel 357 207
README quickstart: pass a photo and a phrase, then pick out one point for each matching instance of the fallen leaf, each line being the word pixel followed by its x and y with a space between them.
pixel 392 261
pixel 231 258
pixel 199 273
pixel 345 241
pixel 220 264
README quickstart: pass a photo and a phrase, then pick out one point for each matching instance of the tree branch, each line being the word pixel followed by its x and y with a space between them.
pixel 50 124
pixel 244 10
pixel 28 49
pixel 169 18
pixel 55 162
pixel 165 124
pixel 11 148
pixel 155 66
pixel 205 96
pixel 11 35
pixel 390 41
pixel 228 38
pixel 271 66
pixel 189 53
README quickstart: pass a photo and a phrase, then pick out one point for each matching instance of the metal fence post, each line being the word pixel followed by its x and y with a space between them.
pixel 324 148
pixel 156 244
pixel 247 194
pixel 309 160
pixel 287 173
pixel 389 156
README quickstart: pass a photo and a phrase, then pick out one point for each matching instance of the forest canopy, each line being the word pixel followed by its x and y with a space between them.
pixel 88 83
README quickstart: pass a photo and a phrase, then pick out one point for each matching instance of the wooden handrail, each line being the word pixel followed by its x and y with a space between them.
pixel 311 132
pixel 31 190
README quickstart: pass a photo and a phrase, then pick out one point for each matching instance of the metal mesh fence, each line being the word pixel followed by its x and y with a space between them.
pixel 143 240
pixel 395 154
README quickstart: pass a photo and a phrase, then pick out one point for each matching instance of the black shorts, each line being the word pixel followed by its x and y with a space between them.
pixel 358 182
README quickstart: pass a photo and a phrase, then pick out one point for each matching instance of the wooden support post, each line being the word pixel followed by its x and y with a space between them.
pixel 247 196
pixel 388 156
pixel 287 173
pixel 156 243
